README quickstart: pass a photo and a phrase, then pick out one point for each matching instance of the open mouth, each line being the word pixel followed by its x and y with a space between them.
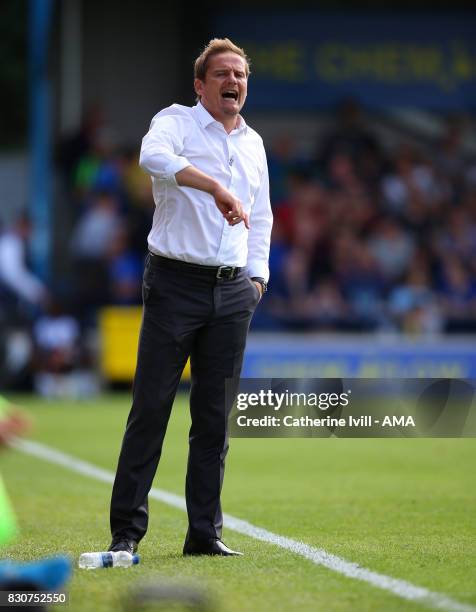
pixel 230 94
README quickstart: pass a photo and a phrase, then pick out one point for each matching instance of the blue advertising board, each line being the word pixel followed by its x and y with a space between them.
pixel 315 356
pixel 308 60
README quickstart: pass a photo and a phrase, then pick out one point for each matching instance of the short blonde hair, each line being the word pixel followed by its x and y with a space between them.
pixel 214 47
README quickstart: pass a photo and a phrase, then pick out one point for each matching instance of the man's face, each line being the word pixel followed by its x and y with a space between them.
pixel 223 92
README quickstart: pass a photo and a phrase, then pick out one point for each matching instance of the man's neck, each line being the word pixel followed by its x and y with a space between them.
pixel 229 123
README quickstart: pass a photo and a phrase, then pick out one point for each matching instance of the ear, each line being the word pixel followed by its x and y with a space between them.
pixel 198 86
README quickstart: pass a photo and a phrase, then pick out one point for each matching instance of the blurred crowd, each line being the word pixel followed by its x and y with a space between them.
pixel 112 202
pixel 365 238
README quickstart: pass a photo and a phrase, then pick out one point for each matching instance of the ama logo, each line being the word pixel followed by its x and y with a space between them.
pixel 398 421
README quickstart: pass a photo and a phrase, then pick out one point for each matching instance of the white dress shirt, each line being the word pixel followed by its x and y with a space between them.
pixel 187 225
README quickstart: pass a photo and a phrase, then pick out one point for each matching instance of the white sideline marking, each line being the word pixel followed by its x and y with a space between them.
pixel 401 588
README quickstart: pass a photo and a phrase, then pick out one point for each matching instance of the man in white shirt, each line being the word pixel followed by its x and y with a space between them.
pixel 15 277
pixel 206 271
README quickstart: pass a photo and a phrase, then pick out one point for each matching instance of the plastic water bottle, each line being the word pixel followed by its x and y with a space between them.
pixel 95 560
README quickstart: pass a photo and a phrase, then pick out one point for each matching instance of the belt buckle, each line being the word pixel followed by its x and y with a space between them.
pixel 225 272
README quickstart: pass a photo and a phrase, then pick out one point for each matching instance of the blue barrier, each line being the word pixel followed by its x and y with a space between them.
pixel 316 356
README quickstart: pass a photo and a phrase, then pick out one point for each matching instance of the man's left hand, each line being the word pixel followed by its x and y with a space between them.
pixel 260 288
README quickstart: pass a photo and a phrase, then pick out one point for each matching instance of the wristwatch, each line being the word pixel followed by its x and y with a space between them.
pixel 262 282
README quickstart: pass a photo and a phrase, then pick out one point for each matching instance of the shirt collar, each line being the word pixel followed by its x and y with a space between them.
pixel 205 119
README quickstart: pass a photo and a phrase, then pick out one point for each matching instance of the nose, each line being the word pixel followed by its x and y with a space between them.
pixel 232 78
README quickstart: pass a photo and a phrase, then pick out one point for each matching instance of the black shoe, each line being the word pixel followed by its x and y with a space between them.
pixel 129 546
pixel 213 546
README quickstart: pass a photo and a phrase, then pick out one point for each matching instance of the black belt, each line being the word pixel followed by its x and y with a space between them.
pixel 221 272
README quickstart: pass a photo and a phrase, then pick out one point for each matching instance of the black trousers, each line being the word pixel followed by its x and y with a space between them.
pixel 185 314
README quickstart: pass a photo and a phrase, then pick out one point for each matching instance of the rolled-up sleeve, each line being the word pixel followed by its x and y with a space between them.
pixel 162 147
pixel 261 223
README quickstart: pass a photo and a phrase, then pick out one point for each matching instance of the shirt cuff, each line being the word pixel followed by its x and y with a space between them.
pixel 175 166
pixel 258 269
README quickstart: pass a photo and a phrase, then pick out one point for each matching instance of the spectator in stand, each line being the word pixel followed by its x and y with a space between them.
pixel 413 304
pixel 350 135
pixel 139 196
pixel 58 352
pixel 100 168
pixel 77 145
pixel 302 226
pixel 326 307
pixel 282 161
pixel 360 279
pixel 125 268
pixel 20 290
pixel 392 247
pixel 450 159
pixel 457 295
pixel 350 202
pixel 457 236
pixel 97 227
pixel 95 232
pixel 413 180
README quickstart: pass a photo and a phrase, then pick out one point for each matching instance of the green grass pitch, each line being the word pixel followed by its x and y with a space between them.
pixel 404 508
